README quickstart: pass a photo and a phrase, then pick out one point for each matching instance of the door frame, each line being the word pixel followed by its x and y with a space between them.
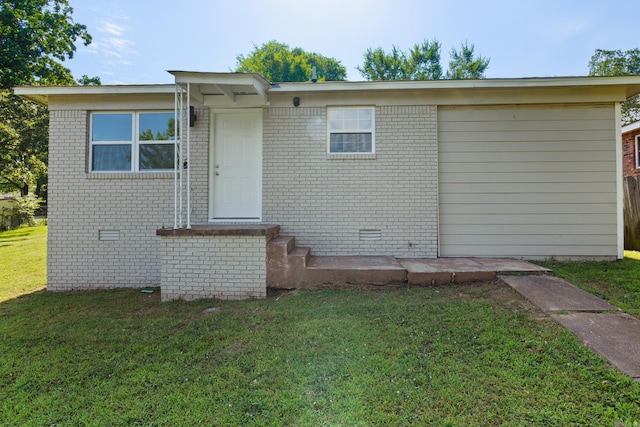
pixel 213 115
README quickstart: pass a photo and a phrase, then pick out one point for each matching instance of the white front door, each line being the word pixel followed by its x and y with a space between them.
pixel 236 166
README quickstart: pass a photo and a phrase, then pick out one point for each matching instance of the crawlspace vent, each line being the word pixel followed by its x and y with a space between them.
pixel 370 235
pixel 109 235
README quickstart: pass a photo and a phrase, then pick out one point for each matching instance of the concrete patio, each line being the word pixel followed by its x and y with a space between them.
pixel 290 266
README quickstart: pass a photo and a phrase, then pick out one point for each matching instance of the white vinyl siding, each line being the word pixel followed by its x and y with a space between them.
pixel 531 182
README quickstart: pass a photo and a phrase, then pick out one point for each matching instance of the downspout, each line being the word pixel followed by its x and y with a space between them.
pixel 188 161
pixel 619 181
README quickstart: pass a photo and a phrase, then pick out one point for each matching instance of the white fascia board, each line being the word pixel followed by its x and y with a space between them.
pixel 631 83
pixel 238 79
pixel 41 94
pixel 631 127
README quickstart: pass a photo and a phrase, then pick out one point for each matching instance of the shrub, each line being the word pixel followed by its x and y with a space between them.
pixel 24 209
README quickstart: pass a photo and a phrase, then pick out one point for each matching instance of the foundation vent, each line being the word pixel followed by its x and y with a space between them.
pixel 109 235
pixel 369 235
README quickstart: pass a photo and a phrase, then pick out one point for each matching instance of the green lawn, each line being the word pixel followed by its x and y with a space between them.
pixel 23 265
pixel 453 355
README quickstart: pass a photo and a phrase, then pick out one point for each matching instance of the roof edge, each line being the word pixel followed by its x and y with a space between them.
pixel 631 127
pixel 632 82
pixel 40 94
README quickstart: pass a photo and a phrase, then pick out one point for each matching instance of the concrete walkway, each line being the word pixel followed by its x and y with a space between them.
pixel 601 326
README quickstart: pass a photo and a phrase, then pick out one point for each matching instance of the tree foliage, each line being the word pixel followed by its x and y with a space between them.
pixel 277 62
pixel 36 36
pixel 463 64
pixel 619 63
pixel 23 144
pixel 421 62
pixel 89 81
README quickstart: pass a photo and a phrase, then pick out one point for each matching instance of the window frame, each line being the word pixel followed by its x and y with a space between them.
pixel 371 131
pixel 134 143
pixel 637 144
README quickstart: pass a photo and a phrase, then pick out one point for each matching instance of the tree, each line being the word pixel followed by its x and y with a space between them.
pixel 23 144
pixel 36 36
pixel 277 62
pixel 421 62
pixel 619 63
pixel 89 81
pixel 464 66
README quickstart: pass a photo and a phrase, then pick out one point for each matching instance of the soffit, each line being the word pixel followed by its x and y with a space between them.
pixel 224 88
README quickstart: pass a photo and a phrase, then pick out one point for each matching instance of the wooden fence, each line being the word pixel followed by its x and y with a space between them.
pixel 631 187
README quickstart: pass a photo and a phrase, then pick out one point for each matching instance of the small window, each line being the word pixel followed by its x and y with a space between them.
pixel 132 142
pixel 351 130
pixel 637 151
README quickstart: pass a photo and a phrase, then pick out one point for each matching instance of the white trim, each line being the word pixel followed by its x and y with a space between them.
pixel 624 86
pixel 619 179
pixel 630 83
pixel 135 141
pixel 637 142
pixel 354 130
pixel 631 127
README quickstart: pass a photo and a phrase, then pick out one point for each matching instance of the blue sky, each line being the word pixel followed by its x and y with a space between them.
pixel 136 41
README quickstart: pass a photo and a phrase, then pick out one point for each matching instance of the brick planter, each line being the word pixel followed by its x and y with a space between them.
pixel 218 261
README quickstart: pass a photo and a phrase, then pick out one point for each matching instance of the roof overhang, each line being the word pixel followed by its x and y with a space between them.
pixel 235 90
pixel 225 89
pixel 41 94
pixel 631 84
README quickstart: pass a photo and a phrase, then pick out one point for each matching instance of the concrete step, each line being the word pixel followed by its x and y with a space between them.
pixel 300 256
pixel 374 270
pixel 281 245
pixel 278 261
pixel 290 266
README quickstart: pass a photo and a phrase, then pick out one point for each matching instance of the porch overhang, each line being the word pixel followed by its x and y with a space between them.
pixel 227 90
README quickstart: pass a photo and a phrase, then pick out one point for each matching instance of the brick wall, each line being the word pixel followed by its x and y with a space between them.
pixel 224 267
pixel 629 153
pixel 135 205
pixel 324 202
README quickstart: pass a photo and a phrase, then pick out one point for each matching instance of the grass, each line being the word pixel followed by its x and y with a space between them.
pixel 475 354
pixel 22 261
pixel 461 355
pixel 618 282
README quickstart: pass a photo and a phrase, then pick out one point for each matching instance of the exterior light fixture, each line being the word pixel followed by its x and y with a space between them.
pixel 192 116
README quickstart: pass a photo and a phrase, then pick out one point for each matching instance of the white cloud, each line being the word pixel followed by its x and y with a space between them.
pixel 123 46
pixel 570 28
pixel 112 28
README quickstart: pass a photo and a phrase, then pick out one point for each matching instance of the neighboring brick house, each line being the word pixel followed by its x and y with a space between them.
pixel 524 168
pixel 630 147
pixel 6 211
